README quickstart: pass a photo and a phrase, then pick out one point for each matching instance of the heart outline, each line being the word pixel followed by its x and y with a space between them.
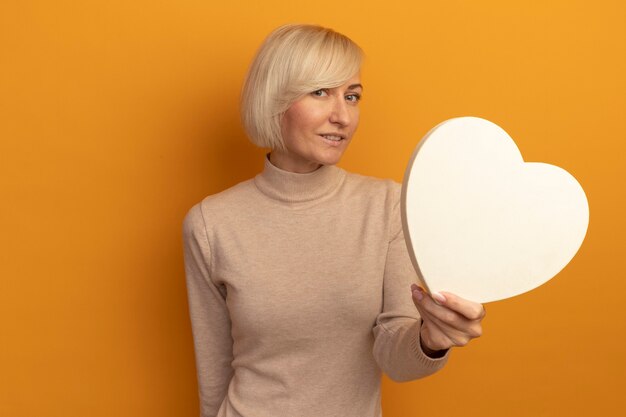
pixel 486 140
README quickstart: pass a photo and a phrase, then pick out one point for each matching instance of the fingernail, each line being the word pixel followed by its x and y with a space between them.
pixel 438 297
pixel 413 287
pixel 418 295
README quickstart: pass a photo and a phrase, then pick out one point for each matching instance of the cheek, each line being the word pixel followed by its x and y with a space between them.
pixel 300 119
pixel 288 127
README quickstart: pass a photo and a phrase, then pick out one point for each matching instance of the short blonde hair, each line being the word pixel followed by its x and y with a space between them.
pixel 294 60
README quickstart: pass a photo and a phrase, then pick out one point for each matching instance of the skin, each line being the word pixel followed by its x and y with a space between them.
pixel 326 111
pixel 447 320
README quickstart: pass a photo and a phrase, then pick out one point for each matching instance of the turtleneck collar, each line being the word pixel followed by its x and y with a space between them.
pixel 291 187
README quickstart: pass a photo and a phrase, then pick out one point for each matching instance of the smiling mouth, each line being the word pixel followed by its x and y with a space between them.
pixel 334 138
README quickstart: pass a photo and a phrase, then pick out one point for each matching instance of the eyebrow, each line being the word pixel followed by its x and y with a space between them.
pixel 355 86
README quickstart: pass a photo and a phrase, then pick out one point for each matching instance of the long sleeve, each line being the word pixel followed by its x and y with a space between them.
pixel 209 316
pixel 397 347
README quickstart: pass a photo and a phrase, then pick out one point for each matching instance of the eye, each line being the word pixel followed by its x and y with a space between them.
pixel 320 93
pixel 355 98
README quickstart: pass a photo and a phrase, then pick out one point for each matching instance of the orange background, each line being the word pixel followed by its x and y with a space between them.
pixel 118 116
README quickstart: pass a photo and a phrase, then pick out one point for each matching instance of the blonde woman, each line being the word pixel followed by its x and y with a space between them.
pixel 300 287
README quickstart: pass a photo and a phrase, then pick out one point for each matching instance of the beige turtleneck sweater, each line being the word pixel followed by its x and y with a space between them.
pixel 299 295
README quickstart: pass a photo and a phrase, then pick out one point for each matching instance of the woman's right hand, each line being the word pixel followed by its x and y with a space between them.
pixel 447 320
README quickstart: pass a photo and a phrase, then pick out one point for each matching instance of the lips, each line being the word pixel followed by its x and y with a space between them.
pixel 333 136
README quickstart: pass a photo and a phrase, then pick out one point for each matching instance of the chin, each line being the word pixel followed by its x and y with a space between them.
pixel 330 158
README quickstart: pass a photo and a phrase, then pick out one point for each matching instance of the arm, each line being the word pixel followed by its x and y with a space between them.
pixel 397 345
pixel 210 321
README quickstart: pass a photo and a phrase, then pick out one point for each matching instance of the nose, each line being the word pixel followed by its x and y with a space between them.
pixel 340 114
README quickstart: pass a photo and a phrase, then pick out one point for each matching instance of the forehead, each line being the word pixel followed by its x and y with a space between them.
pixel 353 83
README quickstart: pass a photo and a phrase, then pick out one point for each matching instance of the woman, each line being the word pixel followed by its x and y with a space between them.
pixel 300 286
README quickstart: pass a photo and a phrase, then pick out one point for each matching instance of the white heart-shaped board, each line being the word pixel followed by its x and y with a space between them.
pixel 480 222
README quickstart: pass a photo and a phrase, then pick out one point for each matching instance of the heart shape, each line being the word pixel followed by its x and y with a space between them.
pixel 480 222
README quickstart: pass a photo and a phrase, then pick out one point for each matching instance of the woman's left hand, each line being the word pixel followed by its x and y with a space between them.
pixel 448 320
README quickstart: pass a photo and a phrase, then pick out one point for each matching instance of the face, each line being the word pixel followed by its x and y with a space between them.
pixel 318 128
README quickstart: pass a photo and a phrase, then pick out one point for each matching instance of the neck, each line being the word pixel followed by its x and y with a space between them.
pixel 287 163
pixel 297 188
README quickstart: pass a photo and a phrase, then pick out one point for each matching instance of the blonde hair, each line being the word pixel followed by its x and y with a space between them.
pixel 294 60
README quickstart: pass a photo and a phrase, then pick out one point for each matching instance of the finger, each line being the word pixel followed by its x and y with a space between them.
pixel 439 336
pixel 432 336
pixel 428 311
pixel 448 321
pixel 468 309
pixel 460 332
pixel 435 309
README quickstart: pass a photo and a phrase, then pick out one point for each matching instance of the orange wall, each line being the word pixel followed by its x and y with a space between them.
pixel 117 116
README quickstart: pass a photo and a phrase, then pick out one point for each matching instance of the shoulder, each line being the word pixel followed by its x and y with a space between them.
pixel 377 188
pixel 230 198
pixel 372 183
pixel 219 205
